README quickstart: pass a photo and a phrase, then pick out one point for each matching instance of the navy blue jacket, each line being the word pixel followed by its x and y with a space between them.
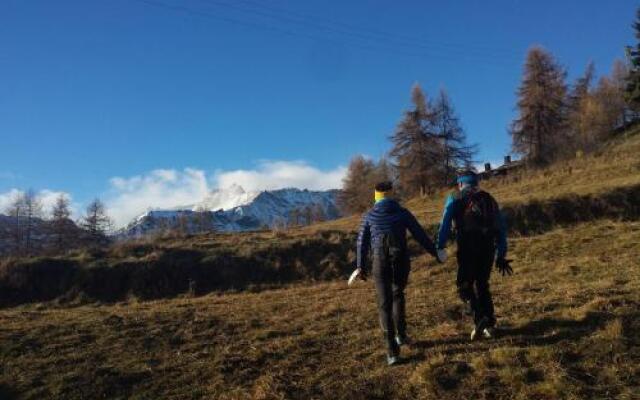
pixel 387 216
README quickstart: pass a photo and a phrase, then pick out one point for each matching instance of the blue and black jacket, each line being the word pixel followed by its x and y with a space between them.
pixel 387 216
pixel 452 208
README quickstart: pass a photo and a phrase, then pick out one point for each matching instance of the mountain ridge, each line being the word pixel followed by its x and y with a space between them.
pixel 235 210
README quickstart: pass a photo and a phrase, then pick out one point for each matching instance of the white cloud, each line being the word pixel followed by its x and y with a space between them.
pixel 6 198
pixel 47 198
pixel 161 188
pixel 271 175
pixel 129 197
pixel 170 188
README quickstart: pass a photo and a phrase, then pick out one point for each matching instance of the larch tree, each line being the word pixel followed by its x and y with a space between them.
pixel 61 223
pixel 383 171
pixel 539 131
pixel 318 214
pixel 417 150
pixel 600 111
pixel 32 206
pixel 579 109
pixel 294 217
pixel 307 213
pixel 582 86
pixel 612 107
pixel 96 222
pixel 457 153
pixel 182 226
pixel 357 186
pixel 203 219
pixel 15 211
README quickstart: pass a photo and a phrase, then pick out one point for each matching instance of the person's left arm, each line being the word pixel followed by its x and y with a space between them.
pixel 445 224
pixel 419 234
pixel 501 242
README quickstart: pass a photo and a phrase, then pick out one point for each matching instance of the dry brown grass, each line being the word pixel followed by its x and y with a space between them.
pixel 568 318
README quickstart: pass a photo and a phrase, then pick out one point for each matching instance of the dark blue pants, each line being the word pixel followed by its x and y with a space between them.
pixel 391 277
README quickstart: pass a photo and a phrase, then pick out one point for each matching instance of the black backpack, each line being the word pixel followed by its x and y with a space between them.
pixel 391 247
pixel 478 213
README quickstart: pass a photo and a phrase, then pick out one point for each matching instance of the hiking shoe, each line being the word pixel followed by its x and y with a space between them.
pixel 393 360
pixel 479 328
pixel 488 333
pixel 404 340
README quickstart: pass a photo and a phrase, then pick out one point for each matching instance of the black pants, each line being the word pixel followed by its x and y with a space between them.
pixel 390 277
pixel 475 260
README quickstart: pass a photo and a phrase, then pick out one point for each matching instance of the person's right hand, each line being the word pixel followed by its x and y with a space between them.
pixel 441 255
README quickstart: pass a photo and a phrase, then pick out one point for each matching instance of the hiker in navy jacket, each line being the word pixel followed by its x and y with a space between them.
pixel 383 231
pixel 481 238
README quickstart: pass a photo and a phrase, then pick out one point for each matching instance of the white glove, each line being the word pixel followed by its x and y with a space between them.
pixel 354 276
pixel 442 255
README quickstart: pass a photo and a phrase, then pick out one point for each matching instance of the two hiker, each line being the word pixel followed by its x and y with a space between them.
pixel 480 229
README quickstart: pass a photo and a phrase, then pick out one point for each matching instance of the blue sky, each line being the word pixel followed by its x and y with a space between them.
pixel 92 90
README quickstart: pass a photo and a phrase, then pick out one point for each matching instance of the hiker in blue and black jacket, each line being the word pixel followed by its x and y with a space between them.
pixel 383 230
pixel 481 238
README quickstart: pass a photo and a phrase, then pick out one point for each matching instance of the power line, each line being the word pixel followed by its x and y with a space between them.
pixel 363 34
pixel 373 33
pixel 375 47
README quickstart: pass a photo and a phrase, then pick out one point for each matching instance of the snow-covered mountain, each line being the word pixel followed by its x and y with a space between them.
pixel 234 209
pixel 225 199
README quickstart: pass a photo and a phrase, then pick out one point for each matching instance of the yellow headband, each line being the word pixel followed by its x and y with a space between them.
pixel 381 195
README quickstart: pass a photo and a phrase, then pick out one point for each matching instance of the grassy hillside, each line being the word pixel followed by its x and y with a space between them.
pixel 568 317
pixel 615 166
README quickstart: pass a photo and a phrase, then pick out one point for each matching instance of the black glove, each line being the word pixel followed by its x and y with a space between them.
pixel 503 266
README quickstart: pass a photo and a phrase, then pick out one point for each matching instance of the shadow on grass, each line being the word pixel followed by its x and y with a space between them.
pixel 454 341
pixel 541 332
pixel 547 331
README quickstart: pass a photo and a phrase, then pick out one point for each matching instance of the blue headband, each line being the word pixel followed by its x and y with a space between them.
pixel 468 179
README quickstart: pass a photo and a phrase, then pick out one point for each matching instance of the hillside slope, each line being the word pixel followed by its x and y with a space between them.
pixel 615 166
pixel 568 317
